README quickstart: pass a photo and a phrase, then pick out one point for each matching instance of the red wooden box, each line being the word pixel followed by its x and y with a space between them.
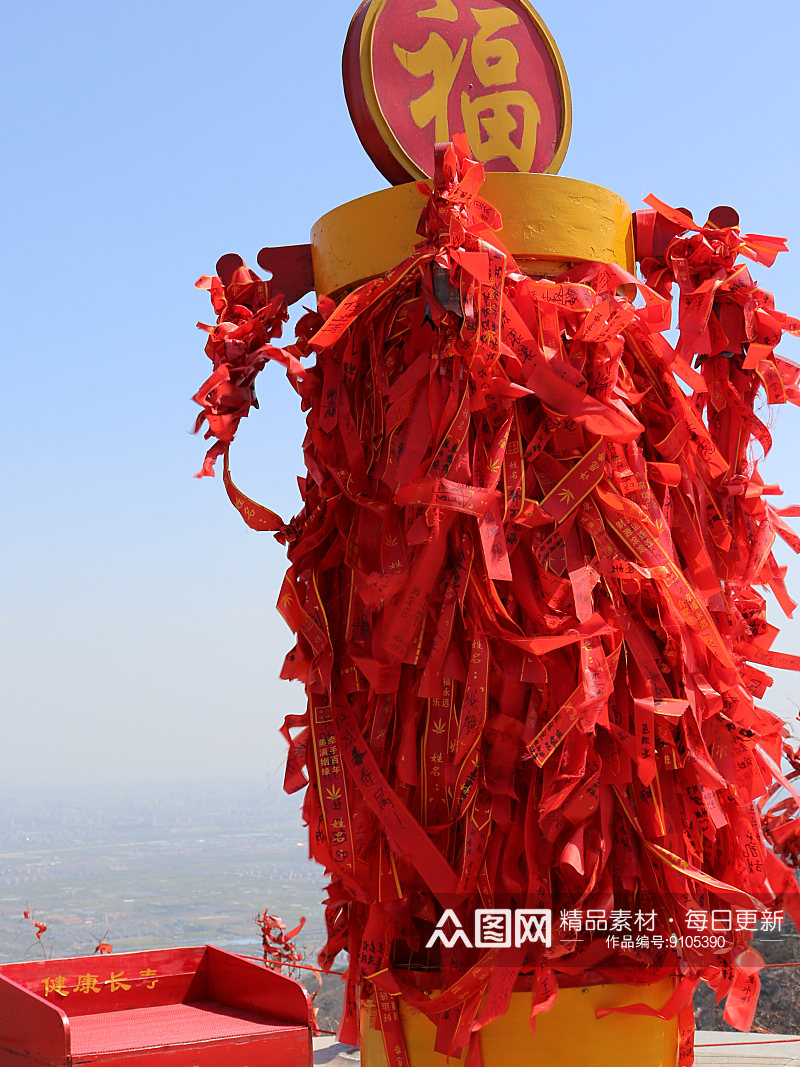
pixel 191 1007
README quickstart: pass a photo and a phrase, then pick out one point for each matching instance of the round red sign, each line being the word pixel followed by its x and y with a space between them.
pixel 417 72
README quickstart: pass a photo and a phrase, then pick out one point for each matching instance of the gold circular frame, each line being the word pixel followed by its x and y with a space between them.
pixel 388 135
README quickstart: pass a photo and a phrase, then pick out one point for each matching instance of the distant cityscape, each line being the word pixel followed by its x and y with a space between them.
pixel 153 869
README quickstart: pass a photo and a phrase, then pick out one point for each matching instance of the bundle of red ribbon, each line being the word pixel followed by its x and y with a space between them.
pixel 524 584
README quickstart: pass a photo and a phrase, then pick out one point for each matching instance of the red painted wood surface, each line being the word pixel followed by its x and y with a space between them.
pixel 31 1029
pixel 290 266
pixel 291 269
pixel 197 1007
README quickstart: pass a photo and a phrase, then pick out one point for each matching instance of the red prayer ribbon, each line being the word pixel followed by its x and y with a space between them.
pixel 525 585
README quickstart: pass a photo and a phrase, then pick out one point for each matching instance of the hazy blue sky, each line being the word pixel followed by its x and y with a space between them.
pixel 138 635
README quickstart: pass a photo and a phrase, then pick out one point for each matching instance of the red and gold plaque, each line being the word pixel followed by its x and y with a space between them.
pixel 417 72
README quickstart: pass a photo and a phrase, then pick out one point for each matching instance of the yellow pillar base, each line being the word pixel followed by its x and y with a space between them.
pixel 569 1035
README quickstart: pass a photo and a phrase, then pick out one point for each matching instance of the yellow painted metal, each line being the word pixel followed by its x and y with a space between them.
pixel 549 223
pixel 569 1035
pixel 387 133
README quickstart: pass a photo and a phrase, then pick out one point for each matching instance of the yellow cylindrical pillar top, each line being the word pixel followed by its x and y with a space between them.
pixel 549 223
